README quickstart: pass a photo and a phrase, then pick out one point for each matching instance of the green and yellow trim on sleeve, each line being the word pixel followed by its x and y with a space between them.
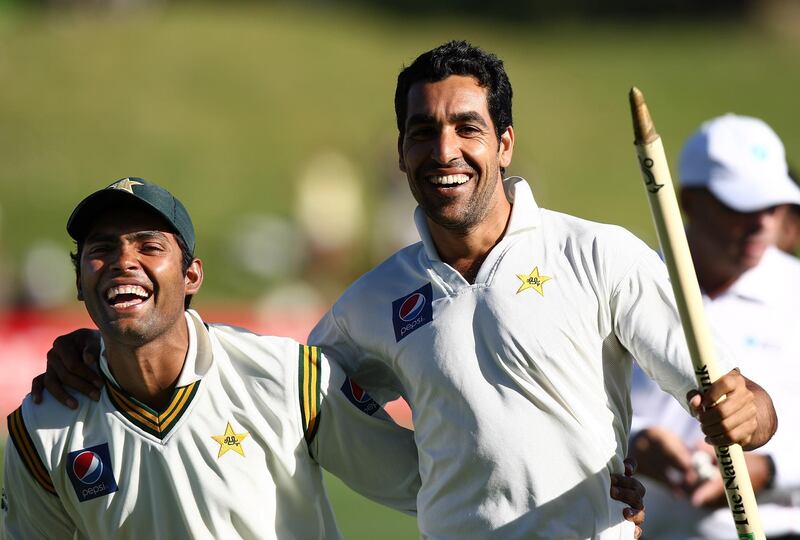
pixel 27 451
pixel 145 418
pixel 310 394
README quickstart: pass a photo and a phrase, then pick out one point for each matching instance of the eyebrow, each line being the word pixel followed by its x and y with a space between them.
pixel 134 236
pixel 467 116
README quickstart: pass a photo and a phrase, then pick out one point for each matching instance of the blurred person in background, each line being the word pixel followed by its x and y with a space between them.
pixel 789 238
pixel 200 430
pixel 330 211
pixel 736 194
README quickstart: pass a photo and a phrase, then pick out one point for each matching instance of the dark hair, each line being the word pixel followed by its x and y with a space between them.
pixel 186 260
pixel 458 58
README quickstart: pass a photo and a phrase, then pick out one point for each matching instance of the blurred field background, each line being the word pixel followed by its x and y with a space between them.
pixel 274 123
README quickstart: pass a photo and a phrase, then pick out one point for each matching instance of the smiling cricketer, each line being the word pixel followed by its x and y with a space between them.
pixel 201 430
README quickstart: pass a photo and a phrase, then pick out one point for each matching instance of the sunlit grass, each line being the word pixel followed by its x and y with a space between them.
pixel 226 104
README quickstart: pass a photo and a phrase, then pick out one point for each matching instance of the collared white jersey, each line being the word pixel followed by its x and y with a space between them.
pixel 758 317
pixel 519 382
pixel 229 457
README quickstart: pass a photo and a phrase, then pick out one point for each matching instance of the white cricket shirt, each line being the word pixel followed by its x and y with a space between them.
pixel 230 457
pixel 519 382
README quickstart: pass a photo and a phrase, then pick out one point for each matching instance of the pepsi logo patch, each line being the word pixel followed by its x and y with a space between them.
pixel 412 311
pixel 91 473
pixel 356 395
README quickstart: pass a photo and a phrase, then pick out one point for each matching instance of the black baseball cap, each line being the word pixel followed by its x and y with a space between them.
pixel 132 191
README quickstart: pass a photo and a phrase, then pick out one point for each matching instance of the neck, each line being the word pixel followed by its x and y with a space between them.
pixel 466 250
pixel 713 282
pixel 150 371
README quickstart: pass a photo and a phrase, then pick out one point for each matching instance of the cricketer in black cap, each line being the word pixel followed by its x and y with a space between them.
pixel 134 262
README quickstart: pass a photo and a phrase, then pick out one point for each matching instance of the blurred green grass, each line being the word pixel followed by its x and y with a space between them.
pixel 358 518
pixel 362 519
pixel 225 104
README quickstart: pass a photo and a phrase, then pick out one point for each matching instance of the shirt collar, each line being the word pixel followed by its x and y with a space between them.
pixel 525 214
pixel 198 356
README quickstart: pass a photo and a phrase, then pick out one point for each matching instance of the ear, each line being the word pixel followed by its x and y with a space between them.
pixel 194 277
pixel 506 149
pixel 401 162
pixel 79 288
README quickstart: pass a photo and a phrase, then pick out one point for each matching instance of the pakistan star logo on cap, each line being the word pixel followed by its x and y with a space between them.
pixel 126 184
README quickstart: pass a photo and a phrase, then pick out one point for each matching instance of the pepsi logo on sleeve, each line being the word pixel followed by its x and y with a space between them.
pixel 91 473
pixel 358 397
pixel 412 311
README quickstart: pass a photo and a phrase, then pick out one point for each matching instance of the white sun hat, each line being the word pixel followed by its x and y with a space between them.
pixel 741 161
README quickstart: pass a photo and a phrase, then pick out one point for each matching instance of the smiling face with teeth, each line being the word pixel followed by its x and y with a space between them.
pixel 452 156
pixel 132 277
